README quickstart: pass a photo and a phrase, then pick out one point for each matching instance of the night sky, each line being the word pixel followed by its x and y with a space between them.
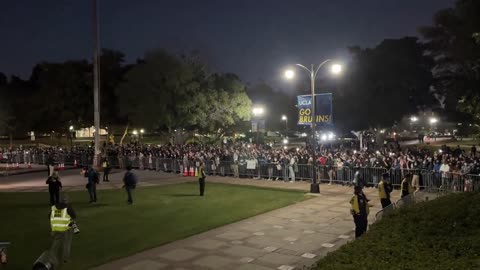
pixel 253 38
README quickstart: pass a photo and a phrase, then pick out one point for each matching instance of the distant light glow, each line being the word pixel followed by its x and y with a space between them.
pixel 433 120
pixel 257 111
pixel 336 68
pixel 285 141
pixel 413 119
pixel 323 137
pixel 289 74
pixel 284 117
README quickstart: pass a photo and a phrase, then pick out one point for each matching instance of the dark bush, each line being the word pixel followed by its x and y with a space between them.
pixel 439 234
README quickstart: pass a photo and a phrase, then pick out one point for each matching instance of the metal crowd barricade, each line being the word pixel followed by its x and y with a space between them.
pixel 407 200
pixel 385 211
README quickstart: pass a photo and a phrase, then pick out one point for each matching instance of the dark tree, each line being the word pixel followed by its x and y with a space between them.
pixel 451 41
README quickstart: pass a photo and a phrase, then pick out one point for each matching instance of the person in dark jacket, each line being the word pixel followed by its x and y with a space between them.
pixel 201 178
pixel 54 187
pixel 93 180
pixel 129 182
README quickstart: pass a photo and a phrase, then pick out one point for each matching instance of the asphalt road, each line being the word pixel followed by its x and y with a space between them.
pixel 37 179
pixel 73 178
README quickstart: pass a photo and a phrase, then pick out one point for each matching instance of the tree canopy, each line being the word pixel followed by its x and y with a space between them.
pixel 451 41
pixel 170 92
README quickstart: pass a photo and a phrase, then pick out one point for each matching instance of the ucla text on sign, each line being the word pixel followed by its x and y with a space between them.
pixel 323 107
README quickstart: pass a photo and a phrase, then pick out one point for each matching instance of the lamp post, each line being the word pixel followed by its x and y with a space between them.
pixel 71 129
pixel 313 71
pixel 284 118
pixel 96 82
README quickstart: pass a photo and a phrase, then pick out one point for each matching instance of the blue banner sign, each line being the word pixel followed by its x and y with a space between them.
pixel 323 108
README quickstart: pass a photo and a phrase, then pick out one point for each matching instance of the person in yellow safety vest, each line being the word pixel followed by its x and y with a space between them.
pixel 384 190
pixel 201 178
pixel 62 223
pixel 406 185
pixel 360 210
pixel 106 170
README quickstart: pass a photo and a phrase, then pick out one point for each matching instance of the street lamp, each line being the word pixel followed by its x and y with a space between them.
pixel 284 118
pixel 413 119
pixel 313 71
pixel 289 74
pixel 433 120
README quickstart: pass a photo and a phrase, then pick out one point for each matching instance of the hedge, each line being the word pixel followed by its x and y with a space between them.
pixel 439 234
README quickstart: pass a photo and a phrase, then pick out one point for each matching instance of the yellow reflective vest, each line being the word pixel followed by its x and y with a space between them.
pixel 59 219
pixel 406 186
pixel 382 194
pixel 356 202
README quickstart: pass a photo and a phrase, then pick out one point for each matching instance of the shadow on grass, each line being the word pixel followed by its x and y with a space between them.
pixel 181 195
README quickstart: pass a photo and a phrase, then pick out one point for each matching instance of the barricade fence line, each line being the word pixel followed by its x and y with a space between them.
pixel 261 169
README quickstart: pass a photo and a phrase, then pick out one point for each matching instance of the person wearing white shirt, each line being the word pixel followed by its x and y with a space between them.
pixel 291 169
pixel 444 170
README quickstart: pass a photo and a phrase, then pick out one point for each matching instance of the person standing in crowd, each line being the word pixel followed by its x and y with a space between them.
pixel 473 151
pixel 406 186
pixel 360 210
pixel 50 162
pixel 201 178
pixel 445 172
pixel 129 182
pixel 291 170
pixel 384 190
pixel 62 223
pixel 93 180
pixel 106 170
pixel 54 187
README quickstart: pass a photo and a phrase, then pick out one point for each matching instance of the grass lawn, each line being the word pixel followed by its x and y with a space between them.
pixel 112 229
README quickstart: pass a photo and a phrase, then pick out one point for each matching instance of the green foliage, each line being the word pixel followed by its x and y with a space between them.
pixel 440 234
pixel 169 92
pixel 111 229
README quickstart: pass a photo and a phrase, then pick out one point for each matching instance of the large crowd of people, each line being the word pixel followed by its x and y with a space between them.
pixel 336 162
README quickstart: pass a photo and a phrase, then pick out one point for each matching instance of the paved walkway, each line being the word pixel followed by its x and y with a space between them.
pixel 286 238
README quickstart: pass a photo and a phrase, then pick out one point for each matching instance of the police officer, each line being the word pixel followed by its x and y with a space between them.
pixel 62 223
pixel 384 190
pixel 360 210
pixel 201 178
pixel 406 186
pixel 106 170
